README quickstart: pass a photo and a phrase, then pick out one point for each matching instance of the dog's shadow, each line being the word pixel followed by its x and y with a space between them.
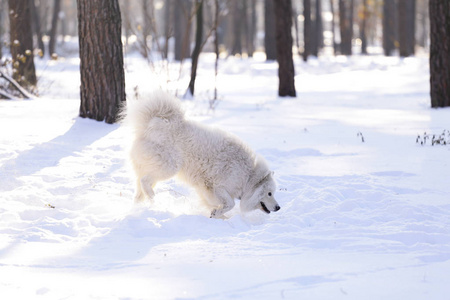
pixel 143 236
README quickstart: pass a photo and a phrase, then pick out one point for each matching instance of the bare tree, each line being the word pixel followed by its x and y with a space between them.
pixel 346 25
pixel 440 53
pixel 54 28
pixel 101 67
pixel 198 45
pixel 307 29
pixel 21 42
pixel 389 9
pixel 406 22
pixel 286 72
pixel 269 30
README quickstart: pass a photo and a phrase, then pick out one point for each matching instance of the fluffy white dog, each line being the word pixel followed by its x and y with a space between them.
pixel 217 164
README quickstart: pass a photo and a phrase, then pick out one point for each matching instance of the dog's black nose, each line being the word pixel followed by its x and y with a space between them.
pixel 277 208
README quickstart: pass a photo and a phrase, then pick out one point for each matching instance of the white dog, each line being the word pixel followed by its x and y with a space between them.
pixel 217 164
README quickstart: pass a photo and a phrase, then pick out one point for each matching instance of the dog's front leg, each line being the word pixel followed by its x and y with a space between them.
pixel 227 203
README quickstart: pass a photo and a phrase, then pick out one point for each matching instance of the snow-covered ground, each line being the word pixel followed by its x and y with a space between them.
pixel 359 220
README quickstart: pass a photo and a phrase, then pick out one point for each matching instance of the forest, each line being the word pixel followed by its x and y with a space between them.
pixel 346 100
pixel 176 30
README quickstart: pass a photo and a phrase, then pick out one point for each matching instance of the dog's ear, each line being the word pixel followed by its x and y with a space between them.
pixel 259 183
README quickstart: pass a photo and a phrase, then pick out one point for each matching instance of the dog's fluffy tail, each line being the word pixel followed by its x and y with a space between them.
pixel 139 113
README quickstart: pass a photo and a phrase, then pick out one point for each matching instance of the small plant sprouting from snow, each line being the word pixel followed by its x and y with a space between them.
pixel 359 134
pixel 434 139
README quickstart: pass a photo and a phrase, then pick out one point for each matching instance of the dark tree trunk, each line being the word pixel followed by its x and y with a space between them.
pixel 198 45
pixel 406 25
pixel 252 29
pixel 269 29
pixel 307 29
pixel 238 20
pixel 346 25
pixel 182 29
pixel 317 29
pixel 147 13
pixel 168 21
pixel 21 38
pixel 389 27
pixel 54 29
pixel 363 29
pixel 35 16
pixel 440 53
pixel 286 72
pixel 102 75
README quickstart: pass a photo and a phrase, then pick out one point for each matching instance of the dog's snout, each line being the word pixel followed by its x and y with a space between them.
pixel 277 208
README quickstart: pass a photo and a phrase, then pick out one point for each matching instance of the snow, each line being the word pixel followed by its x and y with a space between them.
pixel 358 220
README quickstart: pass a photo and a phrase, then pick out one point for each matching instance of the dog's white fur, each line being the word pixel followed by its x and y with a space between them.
pixel 217 164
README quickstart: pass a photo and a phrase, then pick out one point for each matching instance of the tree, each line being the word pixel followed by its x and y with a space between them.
pixel 406 22
pixel 21 42
pixel 439 53
pixel 198 45
pixel 269 29
pixel 286 72
pixel 346 25
pixel 182 28
pixel 101 67
pixel 54 28
pixel 35 16
pixel 307 29
pixel 389 27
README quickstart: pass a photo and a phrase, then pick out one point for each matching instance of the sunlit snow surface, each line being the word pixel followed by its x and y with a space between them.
pixel 358 220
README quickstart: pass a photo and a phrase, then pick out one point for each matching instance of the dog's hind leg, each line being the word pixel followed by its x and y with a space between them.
pixel 144 189
pixel 226 203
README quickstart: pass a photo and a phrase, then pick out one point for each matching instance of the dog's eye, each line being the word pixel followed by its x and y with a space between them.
pixel 270 194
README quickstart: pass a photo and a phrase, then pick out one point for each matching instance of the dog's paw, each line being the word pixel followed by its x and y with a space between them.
pixel 213 213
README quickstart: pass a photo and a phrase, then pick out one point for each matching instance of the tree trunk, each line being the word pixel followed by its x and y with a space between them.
pixel 346 25
pixel 317 29
pixel 286 72
pixel 363 29
pixel 182 29
pixel 21 42
pixel 102 75
pixel 333 27
pixel 198 45
pixel 147 13
pixel 388 27
pixel 439 53
pixel 238 20
pixel 307 29
pixel 54 29
pixel 168 27
pixel 35 16
pixel 252 29
pixel 269 29
pixel 406 22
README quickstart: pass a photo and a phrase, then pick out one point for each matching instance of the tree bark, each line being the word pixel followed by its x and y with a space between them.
pixel 269 29
pixel 54 28
pixel 286 72
pixel 182 29
pixel 439 53
pixel 21 42
pixel 307 29
pixel 346 25
pixel 388 27
pixel 35 16
pixel 198 45
pixel 101 67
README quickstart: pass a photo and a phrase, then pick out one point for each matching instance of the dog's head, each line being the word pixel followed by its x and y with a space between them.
pixel 263 196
